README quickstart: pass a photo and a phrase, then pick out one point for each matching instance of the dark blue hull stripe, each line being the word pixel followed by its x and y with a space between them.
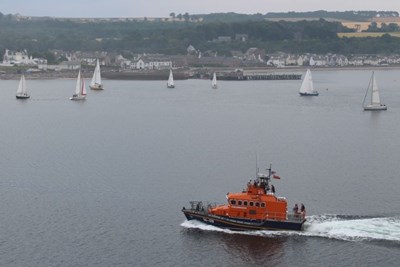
pixel 243 225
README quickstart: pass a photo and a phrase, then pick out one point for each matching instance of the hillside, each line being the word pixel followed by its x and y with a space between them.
pixel 133 36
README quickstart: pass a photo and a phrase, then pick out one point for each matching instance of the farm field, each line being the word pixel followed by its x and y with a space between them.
pixel 366 34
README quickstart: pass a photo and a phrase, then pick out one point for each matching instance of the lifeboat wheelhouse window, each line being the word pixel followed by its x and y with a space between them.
pixel 233 202
pixel 240 203
pixel 244 203
pixel 251 203
pixel 262 205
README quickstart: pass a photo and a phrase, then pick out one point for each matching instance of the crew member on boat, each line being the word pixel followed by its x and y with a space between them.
pixel 295 209
pixel 303 210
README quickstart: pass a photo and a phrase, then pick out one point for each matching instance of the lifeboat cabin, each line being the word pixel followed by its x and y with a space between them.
pixel 255 208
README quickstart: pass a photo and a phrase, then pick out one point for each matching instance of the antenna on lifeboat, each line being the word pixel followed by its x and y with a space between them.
pixel 269 170
pixel 257 169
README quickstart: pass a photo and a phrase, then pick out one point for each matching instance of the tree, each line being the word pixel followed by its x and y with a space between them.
pixel 51 59
pixel 172 14
pixel 186 16
pixel 373 27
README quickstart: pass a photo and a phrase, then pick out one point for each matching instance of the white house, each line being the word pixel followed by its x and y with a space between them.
pixel 356 61
pixel 18 58
pixel 372 61
pixel 291 60
pixel 318 61
pixel 65 65
pixel 147 63
pixel 70 65
pixel 301 60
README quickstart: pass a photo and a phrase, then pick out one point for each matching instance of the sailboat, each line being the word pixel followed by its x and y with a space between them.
pixel 80 89
pixel 375 98
pixel 96 80
pixel 170 83
pixel 307 87
pixel 214 81
pixel 22 91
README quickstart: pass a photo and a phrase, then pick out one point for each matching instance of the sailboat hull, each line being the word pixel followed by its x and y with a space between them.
pixel 96 87
pixel 77 98
pixel 22 96
pixel 309 94
pixel 375 107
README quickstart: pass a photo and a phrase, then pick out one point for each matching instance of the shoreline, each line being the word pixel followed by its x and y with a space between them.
pixel 148 75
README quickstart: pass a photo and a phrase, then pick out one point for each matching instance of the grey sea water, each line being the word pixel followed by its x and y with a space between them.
pixel 102 182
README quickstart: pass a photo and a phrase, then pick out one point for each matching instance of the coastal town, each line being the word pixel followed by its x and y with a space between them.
pixel 194 46
pixel 16 61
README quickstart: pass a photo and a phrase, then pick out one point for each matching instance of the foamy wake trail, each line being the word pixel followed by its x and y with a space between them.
pixel 380 228
pixel 329 226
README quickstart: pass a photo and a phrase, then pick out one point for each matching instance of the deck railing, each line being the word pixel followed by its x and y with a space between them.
pixel 284 216
pixel 202 206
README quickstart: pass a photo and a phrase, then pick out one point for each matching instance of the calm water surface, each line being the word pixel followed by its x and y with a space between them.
pixel 102 182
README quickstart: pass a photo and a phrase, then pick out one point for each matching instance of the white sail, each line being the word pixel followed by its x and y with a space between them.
pixel 375 96
pixel 170 83
pixel 22 86
pixel 307 86
pixel 78 84
pixel 96 79
pixel 214 81
pixel 83 88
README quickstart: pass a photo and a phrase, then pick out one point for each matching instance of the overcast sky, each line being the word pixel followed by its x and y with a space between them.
pixel 162 8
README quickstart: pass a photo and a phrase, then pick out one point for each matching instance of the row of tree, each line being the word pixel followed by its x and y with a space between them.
pixel 391 27
pixel 336 15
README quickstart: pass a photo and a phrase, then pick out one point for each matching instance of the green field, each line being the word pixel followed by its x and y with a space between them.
pixel 366 34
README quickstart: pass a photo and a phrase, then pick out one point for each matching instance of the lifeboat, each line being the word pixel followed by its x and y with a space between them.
pixel 255 208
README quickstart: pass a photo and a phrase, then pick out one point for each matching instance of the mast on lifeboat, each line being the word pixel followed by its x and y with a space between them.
pixel 264 179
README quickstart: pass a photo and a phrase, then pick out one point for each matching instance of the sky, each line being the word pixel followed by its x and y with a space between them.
pixel 162 8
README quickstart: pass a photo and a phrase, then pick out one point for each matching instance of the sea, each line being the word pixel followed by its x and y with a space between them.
pixel 102 182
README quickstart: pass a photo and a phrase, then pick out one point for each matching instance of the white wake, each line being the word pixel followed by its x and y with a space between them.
pixel 328 226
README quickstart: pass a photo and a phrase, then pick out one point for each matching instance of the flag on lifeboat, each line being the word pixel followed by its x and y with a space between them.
pixel 275 176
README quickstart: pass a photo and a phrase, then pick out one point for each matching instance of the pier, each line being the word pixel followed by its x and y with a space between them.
pixel 257 76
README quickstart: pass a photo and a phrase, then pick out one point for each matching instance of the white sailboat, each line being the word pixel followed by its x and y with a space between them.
pixel 214 81
pixel 96 80
pixel 307 87
pixel 375 97
pixel 22 90
pixel 170 82
pixel 80 89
